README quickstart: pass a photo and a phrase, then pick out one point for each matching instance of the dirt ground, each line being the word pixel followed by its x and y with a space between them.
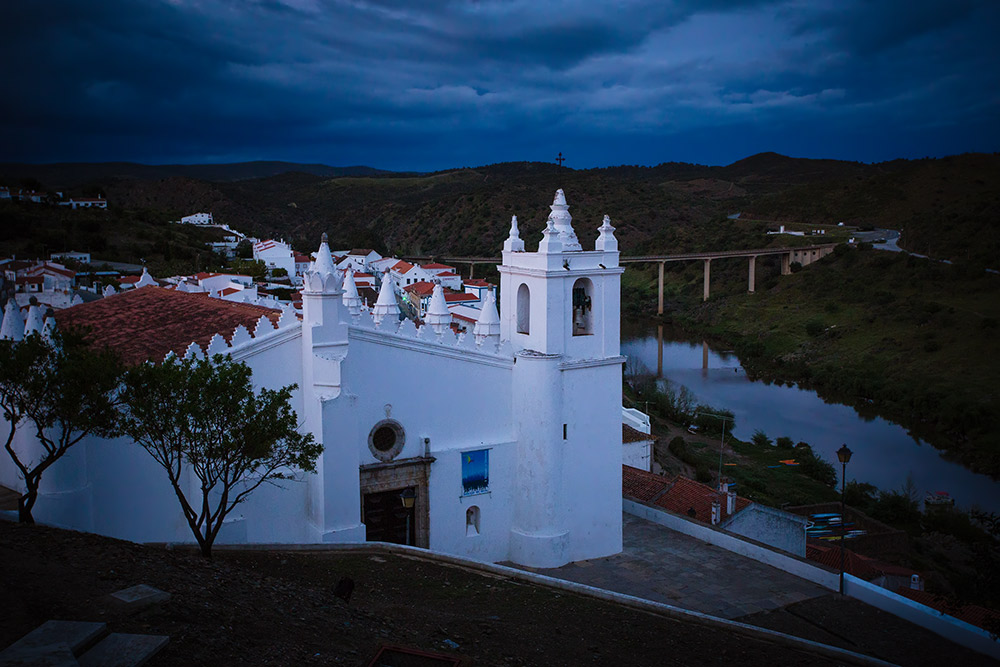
pixel 267 608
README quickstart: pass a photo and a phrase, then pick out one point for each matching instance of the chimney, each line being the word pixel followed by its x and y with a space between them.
pixel 716 511
pixel 730 502
pixel 916 583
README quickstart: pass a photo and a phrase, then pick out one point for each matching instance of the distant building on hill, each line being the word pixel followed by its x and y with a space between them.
pixel 197 219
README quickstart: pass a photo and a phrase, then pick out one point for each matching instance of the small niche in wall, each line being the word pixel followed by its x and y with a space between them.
pixel 472 521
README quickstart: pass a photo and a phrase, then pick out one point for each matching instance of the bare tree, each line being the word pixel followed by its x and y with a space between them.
pixel 204 418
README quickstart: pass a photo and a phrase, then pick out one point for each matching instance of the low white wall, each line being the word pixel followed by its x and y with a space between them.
pixel 636 419
pixel 960 632
pixel 733 543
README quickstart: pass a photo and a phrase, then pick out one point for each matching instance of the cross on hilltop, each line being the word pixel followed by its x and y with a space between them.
pixel 560 159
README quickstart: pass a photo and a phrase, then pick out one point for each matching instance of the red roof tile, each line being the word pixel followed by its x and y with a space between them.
pixel 146 323
pixel 476 282
pixel 460 296
pixel 361 251
pixel 686 494
pixel 437 266
pixel 43 268
pixel 401 267
pixel 420 288
pixel 642 485
pixel 981 617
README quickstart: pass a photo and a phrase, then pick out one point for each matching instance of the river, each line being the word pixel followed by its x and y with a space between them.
pixel 885 454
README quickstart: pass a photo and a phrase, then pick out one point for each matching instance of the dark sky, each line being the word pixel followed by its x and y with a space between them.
pixel 427 84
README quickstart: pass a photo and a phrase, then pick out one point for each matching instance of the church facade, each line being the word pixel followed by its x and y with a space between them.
pixel 502 443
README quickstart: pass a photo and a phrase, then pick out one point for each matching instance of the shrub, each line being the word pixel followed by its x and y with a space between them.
pixel 760 439
pixel 818 468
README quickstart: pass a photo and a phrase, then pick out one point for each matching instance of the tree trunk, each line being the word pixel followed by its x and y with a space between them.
pixel 24 505
pixel 206 549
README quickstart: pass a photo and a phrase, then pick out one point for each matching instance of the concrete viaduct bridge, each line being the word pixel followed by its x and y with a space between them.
pixel 803 255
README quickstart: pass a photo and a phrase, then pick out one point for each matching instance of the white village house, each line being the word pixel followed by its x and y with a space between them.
pixel 510 435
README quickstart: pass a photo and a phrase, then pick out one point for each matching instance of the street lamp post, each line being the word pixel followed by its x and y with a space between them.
pixel 844 456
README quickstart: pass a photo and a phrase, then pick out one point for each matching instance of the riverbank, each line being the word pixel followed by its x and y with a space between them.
pixel 889 334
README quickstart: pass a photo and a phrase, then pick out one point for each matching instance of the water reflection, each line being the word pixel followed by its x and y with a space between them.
pixel 884 453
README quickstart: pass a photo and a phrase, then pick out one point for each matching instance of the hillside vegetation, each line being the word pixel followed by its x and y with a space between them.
pixel 909 338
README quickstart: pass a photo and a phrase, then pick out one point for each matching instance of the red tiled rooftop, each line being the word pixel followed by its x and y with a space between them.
pixel 146 323
pixel 642 485
pixel 401 267
pixel 437 266
pixel 686 494
pixel 362 251
pixel 981 617
pixel 476 282
pixel 41 268
pixel 460 296
pixel 421 288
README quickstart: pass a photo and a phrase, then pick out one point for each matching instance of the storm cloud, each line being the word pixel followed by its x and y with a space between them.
pixel 432 85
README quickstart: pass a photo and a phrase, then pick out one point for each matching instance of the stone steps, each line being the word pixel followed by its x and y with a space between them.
pixel 73 643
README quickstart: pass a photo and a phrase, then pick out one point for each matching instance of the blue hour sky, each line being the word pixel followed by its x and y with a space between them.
pixel 405 85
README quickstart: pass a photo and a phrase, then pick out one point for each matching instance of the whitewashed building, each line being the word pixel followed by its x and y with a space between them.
pixel 509 436
pixel 197 219
pixel 275 255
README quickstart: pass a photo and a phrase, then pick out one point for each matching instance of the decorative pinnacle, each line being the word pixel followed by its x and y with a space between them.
pixel 606 241
pixel 513 242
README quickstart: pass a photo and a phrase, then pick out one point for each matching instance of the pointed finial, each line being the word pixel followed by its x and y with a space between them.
pixel 322 269
pixel 563 222
pixel 351 299
pixel 513 242
pixel 606 241
pixel 550 239
pixel 488 324
pixel 386 303
pixel 438 316
pixel 12 327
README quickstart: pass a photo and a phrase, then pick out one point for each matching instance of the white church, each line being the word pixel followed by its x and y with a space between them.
pixel 501 444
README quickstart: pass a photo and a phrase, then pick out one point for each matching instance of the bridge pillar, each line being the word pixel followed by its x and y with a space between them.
pixel 472 265
pixel 786 264
pixel 659 350
pixel 753 271
pixel 659 307
pixel 708 272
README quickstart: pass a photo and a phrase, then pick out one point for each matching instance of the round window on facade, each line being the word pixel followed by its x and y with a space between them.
pixel 386 439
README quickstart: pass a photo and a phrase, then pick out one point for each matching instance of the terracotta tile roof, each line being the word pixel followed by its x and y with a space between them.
pixel 630 434
pixel 460 296
pixel 362 275
pixel 229 290
pixel 437 266
pixel 421 288
pixel 401 267
pixel 827 552
pixel 447 274
pixel 203 275
pixel 981 617
pixel 476 282
pixel 642 485
pixel 128 280
pixel 362 251
pixel 302 259
pixel 43 268
pixel 686 494
pixel 146 323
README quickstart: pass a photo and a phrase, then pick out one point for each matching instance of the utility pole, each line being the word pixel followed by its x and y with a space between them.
pixel 722 442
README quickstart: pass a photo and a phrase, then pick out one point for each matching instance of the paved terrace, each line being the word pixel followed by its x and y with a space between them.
pixel 665 566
